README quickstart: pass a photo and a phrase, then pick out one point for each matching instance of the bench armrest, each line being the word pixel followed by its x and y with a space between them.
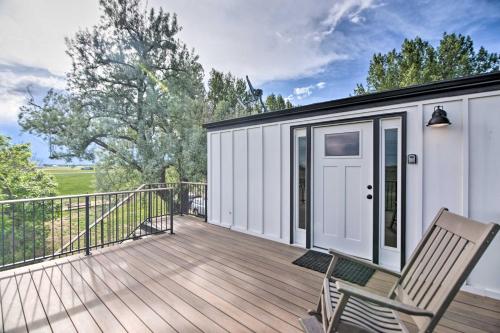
pixel 363 262
pixel 351 290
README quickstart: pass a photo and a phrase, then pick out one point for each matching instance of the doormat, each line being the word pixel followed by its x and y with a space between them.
pixel 345 269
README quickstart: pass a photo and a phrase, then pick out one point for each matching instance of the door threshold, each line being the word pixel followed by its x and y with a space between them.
pixel 319 249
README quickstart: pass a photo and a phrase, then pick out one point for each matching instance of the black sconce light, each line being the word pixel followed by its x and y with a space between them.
pixel 439 118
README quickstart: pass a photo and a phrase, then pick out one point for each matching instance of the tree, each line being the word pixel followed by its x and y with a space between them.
pixel 419 62
pixel 277 102
pixel 135 93
pixel 22 223
pixel 19 177
pixel 228 97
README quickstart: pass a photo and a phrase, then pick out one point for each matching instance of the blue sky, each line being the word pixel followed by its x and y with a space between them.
pixel 308 51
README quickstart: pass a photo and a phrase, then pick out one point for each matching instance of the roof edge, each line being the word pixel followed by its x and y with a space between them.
pixel 387 97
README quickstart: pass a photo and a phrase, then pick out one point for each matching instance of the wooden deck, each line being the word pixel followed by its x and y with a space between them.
pixel 203 278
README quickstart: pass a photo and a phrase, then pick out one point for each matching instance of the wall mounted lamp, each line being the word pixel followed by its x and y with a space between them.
pixel 439 118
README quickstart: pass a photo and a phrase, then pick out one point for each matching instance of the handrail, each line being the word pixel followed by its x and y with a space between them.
pixel 194 183
pixel 74 196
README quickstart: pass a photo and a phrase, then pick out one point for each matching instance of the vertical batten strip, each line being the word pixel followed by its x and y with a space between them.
pixel 280 183
pixel 465 156
pixel 247 177
pixel 262 230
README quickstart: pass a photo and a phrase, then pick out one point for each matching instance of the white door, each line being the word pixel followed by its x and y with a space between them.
pixel 343 188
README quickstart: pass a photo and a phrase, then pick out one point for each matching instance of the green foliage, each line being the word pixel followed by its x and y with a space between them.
pixel 111 174
pixel 134 92
pixel 419 62
pixel 275 103
pixel 22 225
pixel 227 97
pixel 19 177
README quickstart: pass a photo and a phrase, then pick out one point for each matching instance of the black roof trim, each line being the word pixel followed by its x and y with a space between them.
pixel 466 85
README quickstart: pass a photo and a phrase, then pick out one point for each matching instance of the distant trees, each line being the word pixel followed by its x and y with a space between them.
pixel 229 97
pixel 277 102
pixel 419 62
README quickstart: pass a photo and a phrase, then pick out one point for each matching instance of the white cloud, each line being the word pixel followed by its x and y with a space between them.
pixel 14 82
pixel 268 40
pixel 303 92
pixel 320 85
pixel 350 9
pixel 9 107
pixel 11 80
pixel 32 31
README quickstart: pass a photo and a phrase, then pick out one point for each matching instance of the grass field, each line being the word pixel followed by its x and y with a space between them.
pixel 73 180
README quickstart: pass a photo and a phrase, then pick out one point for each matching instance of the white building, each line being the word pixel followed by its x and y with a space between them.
pixel 364 174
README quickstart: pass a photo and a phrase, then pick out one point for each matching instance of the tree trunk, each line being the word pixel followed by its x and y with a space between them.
pixel 164 195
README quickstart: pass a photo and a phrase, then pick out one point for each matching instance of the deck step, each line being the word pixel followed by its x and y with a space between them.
pixel 153 226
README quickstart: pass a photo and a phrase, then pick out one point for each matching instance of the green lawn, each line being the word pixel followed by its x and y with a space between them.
pixel 73 180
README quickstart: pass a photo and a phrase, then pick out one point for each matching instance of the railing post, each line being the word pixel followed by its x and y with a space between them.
pixel 181 199
pixel 87 225
pixel 150 196
pixel 171 204
pixel 206 202
pixel 102 221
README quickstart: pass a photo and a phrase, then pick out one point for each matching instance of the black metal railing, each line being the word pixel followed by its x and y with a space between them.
pixel 190 198
pixel 391 194
pixel 32 230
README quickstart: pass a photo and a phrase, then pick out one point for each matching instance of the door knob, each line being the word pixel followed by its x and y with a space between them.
pixel 369 196
pixel 369 187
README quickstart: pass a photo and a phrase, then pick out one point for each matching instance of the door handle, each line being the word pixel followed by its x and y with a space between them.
pixel 369 196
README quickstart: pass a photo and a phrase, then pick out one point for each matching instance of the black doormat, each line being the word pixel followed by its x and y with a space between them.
pixel 345 269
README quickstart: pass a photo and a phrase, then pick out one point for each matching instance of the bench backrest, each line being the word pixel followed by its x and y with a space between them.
pixel 440 264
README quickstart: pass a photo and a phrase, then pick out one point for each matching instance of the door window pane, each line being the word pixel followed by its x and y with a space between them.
pixel 342 144
pixel 391 186
pixel 302 159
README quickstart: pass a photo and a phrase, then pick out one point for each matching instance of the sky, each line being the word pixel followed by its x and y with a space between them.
pixel 307 51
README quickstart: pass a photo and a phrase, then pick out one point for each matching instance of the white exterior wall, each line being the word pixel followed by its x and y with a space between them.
pixel 458 167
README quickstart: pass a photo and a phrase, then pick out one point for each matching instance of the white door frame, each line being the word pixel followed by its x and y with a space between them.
pixel 299 234
pixel 377 119
pixel 390 256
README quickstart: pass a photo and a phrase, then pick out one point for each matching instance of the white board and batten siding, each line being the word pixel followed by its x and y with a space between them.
pixel 458 167
pixel 248 196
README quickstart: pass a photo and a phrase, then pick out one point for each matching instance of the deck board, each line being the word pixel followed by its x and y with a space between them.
pixel 121 310
pixel 35 316
pixel 77 311
pixel 104 318
pixel 54 308
pixel 203 278
pixel 12 310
